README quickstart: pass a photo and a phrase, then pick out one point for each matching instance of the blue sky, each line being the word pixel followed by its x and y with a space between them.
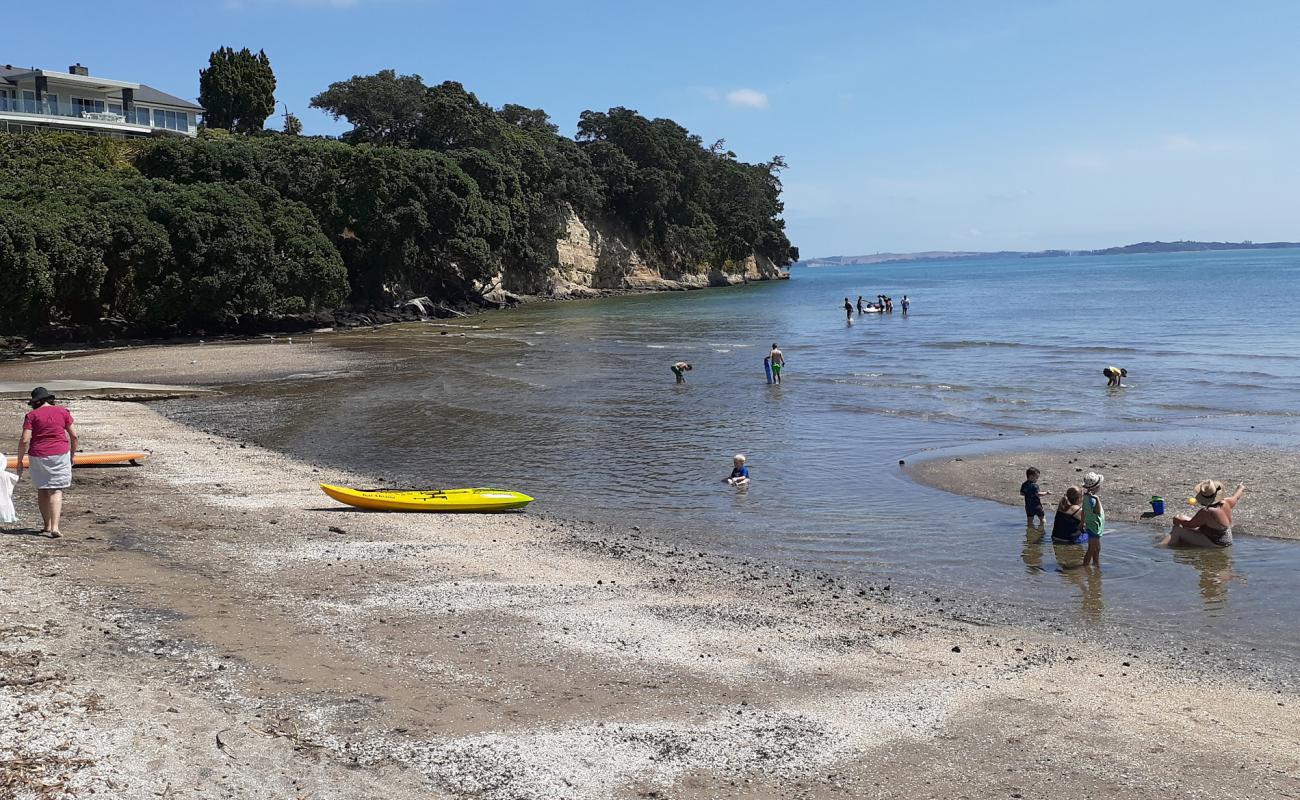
pixel 907 125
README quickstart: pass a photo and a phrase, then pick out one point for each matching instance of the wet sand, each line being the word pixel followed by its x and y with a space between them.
pixel 1133 476
pixel 213 626
pixel 206 365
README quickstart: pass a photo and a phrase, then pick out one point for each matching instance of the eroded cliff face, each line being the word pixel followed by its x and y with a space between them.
pixel 594 258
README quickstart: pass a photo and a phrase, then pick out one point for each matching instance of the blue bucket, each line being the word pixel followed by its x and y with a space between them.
pixel 1157 505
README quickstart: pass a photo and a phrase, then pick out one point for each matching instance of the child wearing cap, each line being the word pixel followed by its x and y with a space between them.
pixel 1094 518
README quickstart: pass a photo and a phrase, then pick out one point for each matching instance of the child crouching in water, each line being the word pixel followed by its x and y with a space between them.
pixel 739 472
pixel 1094 518
pixel 1033 498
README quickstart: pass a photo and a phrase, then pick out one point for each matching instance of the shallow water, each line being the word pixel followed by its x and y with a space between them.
pixel 574 403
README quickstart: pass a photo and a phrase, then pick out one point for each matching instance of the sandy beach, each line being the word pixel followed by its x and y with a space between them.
pixel 213 626
pixel 1133 476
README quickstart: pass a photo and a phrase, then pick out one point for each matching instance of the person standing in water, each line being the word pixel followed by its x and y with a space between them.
pixel 906 305
pixel 1094 518
pixel 860 304
pixel 848 309
pixel 679 369
pixel 778 363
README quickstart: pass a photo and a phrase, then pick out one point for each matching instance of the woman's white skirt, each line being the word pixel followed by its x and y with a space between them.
pixel 51 472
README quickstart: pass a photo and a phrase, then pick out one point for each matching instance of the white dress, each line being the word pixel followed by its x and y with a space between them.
pixel 8 481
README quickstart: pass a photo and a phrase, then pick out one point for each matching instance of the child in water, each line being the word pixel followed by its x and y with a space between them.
pixel 1094 518
pixel 1113 375
pixel 1033 498
pixel 739 472
pixel 679 369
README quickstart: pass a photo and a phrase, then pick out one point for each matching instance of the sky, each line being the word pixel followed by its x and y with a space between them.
pixel 919 125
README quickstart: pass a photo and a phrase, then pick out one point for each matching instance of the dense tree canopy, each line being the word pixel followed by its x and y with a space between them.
pixel 83 239
pixel 696 207
pixel 237 90
pixel 431 192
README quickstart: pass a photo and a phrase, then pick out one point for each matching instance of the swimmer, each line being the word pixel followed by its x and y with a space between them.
pixel 739 472
pixel 679 369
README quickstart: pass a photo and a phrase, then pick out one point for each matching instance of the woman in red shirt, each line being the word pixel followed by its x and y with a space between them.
pixel 49 440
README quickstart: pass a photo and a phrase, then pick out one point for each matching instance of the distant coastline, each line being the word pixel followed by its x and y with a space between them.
pixel 961 255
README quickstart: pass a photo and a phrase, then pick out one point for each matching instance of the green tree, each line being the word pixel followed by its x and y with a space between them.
pixel 237 90
pixel 384 108
pixel 292 125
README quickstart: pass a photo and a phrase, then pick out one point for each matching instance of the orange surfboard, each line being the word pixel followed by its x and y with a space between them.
pixel 96 459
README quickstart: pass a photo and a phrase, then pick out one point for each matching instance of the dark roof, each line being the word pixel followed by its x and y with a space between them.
pixel 145 94
pixel 148 94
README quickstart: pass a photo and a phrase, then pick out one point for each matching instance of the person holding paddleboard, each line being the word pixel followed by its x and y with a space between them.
pixel 49 439
pixel 778 363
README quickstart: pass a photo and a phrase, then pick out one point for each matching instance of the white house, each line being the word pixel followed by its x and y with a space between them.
pixel 37 99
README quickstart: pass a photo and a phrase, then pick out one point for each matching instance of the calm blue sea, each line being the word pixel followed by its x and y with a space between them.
pixel 575 404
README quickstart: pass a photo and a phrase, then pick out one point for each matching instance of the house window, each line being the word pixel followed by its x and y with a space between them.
pixel 115 108
pixel 83 105
pixel 159 118
pixel 29 101
pixel 52 103
pixel 141 116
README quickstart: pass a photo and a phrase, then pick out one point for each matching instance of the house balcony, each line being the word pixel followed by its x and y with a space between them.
pixel 137 121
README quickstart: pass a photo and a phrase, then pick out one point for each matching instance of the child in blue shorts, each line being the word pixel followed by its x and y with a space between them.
pixel 1094 518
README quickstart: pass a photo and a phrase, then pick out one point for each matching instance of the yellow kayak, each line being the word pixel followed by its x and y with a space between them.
pixel 445 500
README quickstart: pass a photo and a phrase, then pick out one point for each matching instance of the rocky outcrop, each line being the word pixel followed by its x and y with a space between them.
pixel 596 258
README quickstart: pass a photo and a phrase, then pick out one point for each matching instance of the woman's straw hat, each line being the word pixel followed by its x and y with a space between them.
pixel 1092 480
pixel 1208 493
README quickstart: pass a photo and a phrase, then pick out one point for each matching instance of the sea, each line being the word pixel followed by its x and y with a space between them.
pixel 575 404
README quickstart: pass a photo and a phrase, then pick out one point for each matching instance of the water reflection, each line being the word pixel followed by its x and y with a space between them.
pixel 1215 572
pixel 1069 565
pixel 1032 552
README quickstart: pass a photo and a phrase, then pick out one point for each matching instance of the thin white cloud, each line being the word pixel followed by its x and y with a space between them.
pixel 747 98
pixel 1182 143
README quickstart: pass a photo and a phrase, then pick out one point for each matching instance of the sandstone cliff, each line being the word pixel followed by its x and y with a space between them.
pixel 595 258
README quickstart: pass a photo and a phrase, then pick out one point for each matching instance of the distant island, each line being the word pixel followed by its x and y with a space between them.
pixel 959 255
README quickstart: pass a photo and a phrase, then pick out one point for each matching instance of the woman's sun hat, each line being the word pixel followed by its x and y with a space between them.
pixel 1092 480
pixel 39 394
pixel 1208 493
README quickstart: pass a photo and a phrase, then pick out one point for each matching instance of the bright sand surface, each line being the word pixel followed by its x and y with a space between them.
pixel 1133 476
pixel 213 626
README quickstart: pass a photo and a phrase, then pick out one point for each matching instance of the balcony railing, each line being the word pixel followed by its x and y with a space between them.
pixel 146 117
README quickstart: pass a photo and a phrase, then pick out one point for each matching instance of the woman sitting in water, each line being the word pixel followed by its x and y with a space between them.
pixel 1211 526
pixel 1069 515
